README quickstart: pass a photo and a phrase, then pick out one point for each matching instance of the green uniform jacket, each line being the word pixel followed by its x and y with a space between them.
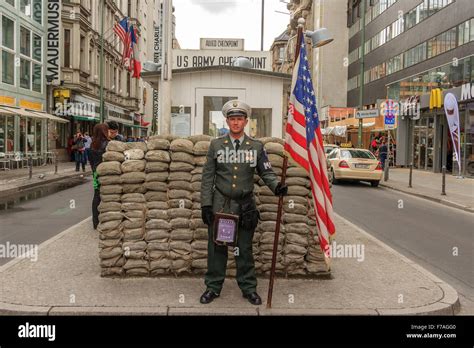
pixel 224 173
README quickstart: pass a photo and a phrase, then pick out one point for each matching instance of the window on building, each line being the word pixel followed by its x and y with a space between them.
pixel 38 11
pixel 37 47
pixel 25 41
pixel 442 43
pixel 8 70
pixel 83 53
pixel 67 48
pixel 466 32
pixel 281 54
pixel 8 33
pixel 37 78
pixel 11 2
pixel 25 7
pixel 25 73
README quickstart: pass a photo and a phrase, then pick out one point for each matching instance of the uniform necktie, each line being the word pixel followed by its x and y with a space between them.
pixel 237 144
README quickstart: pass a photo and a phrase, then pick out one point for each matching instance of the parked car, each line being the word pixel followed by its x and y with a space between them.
pixel 354 164
pixel 329 147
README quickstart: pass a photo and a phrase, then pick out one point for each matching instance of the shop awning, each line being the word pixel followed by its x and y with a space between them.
pixel 51 117
pixel 6 112
pixel 85 118
pixel 21 112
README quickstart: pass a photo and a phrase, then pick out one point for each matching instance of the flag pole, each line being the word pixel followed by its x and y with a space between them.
pixel 102 43
pixel 299 41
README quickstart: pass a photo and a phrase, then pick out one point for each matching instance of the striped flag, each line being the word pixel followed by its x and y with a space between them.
pixel 304 144
pixel 121 29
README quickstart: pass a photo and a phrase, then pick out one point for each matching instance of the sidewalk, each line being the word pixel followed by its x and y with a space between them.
pixel 12 181
pixel 65 280
pixel 459 192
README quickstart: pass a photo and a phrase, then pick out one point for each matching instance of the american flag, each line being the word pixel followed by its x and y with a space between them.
pixel 121 29
pixel 304 144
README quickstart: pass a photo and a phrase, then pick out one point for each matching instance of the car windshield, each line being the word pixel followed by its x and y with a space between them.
pixel 356 154
pixel 328 149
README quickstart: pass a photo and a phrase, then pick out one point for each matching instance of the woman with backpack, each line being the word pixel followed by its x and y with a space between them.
pixel 79 145
pixel 98 146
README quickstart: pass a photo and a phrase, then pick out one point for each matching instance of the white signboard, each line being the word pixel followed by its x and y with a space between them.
pixel 181 124
pixel 202 58
pixel 367 113
pixel 53 36
pixel 222 44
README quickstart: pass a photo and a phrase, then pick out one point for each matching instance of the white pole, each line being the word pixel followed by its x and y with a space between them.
pixel 166 68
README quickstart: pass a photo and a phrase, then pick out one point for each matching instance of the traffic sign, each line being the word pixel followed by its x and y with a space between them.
pixel 367 113
pixel 390 110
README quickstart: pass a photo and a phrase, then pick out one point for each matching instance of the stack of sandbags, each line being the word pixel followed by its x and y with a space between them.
pixel 315 262
pixel 157 227
pixel 134 210
pixel 110 212
pixel 180 212
pixel 200 231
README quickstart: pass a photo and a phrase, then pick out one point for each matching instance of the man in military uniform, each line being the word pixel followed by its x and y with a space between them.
pixel 227 187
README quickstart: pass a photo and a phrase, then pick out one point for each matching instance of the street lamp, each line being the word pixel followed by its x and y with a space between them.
pixel 320 37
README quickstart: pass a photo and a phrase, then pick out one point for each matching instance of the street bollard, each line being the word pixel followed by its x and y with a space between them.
pixel 385 170
pixel 30 166
pixel 411 175
pixel 443 186
pixel 55 163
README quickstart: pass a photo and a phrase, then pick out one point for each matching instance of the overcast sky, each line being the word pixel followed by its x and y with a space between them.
pixel 197 19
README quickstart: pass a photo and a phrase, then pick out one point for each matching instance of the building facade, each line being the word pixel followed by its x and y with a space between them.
pixel 77 96
pixel 23 127
pixel 412 47
pixel 329 63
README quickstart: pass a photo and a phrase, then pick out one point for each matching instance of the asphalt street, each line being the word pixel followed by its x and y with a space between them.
pixel 437 237
pixel 35 221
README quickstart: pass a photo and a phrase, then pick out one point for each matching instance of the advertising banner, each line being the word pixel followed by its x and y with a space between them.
pixel 452 115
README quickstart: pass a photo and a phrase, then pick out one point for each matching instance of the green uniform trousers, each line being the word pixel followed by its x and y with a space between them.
pixel 217 263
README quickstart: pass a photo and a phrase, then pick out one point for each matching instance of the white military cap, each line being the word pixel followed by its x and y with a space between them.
pixel 236 108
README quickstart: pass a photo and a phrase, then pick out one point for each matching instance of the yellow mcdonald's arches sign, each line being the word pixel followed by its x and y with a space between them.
pixel 436 98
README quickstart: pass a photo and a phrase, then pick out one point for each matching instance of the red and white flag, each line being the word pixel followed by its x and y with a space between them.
pixel 304 144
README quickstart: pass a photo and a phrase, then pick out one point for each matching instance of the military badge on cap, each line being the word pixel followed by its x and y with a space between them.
pixel 236 108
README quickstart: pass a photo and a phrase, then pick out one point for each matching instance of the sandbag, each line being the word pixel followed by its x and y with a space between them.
pixel 133 166
pixel 158 176
pixel 158 156
pixel 110 156
pixel 201 147
pixel 109 168
pixel 156 186
pixel 158 144
pixel 134 154
pixel 133 178
pixel 182 145
pixel 181 167
pixel 117 146
pixel 110 180
pixel 152 167
pixel 137 145
pixel 182 157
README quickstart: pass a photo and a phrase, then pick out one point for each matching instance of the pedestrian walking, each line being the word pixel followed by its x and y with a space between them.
pixel 227 187
pixel 382 153
pixel 80 151
pixel 100 140
pixel 87 143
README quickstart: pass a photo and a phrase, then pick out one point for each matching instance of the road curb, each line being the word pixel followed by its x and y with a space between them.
pixel 448 305
pixel 22 188
pixel 430 198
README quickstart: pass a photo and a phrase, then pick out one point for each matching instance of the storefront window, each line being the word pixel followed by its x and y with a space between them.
pixel 38 136
pixel 3 133
pixel 214 122
pixel 22 144
pixel 261 122
pixel 30 137
pixel 10 141
pixel 469 146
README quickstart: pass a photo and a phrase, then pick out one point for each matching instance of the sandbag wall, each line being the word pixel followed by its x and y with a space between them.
pixel 150 213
